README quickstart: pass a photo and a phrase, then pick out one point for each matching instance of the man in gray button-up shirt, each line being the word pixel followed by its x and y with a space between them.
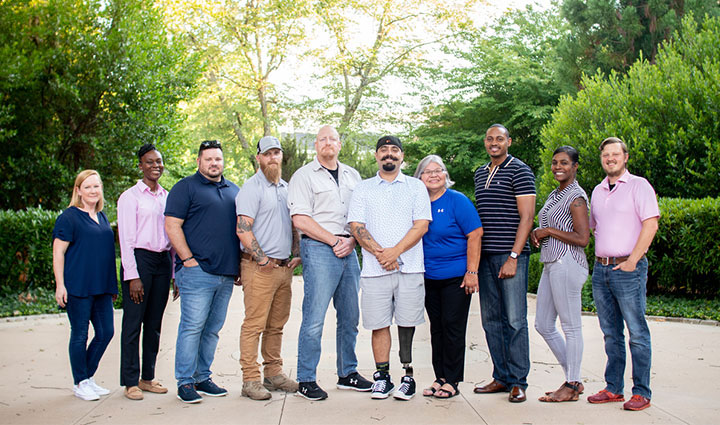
pixel 318 197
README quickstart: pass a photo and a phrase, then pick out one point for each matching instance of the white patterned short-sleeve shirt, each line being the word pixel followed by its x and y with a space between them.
pixel 388 210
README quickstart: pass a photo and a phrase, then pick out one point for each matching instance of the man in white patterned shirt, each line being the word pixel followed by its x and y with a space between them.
pixel 388 215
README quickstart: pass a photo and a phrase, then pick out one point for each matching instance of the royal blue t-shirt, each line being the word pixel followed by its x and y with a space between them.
pixel 208 211
pixel 90 257
pixel 445 243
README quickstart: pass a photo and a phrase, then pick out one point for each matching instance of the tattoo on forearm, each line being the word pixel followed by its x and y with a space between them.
pixel 243 225
pixel 295 243
pixel 257 252
pixel 363 237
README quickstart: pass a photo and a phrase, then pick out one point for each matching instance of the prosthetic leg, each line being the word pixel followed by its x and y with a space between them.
pixel 405 336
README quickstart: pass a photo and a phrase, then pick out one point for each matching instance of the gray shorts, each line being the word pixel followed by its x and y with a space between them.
pixel 398 294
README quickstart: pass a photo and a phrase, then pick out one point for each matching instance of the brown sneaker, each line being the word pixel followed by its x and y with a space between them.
pixel 637 402
pixel 255 390
pixel 605 396
pixel 280 382
pixel 133 393
pixel 152 387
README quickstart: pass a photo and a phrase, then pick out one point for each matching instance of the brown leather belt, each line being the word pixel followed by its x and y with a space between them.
pixel 277 261
pixel 607 261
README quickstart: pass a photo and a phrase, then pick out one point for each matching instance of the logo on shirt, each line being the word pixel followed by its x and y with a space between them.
pixel 440 210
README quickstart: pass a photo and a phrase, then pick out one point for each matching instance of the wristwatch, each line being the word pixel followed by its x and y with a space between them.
pixel 513 255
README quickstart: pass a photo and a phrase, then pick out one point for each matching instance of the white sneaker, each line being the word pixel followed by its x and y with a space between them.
pixel 84 391
pixel 97 388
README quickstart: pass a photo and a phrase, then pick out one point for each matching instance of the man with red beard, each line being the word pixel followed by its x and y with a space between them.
pixel 268 238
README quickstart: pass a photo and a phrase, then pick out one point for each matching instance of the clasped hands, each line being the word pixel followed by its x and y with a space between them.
pixel 387 257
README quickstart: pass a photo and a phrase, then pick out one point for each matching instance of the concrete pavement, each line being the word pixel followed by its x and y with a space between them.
pixel 36 383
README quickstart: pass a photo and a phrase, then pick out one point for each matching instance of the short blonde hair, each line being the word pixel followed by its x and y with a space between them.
pixel 76 200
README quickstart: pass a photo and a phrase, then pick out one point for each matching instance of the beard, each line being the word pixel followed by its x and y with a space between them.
pixel 388 166
pixel 272 172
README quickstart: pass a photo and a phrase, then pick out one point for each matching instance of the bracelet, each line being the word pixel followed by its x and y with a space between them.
pixel 265 263
pixel 335 244
pixel 469 272
pixel 188 259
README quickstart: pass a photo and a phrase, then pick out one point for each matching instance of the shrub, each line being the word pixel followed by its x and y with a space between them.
pixel 535 269
pixel 26 249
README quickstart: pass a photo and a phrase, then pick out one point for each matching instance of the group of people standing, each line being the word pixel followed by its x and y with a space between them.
pixel 426 248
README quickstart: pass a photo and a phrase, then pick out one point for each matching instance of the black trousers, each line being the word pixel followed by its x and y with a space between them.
pixel 155 270
pixel 447 307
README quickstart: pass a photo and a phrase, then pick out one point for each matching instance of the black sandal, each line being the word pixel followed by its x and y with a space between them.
pixel 445 394
pixel 432 390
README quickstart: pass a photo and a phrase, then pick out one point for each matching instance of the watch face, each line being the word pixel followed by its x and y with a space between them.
pixel 513 255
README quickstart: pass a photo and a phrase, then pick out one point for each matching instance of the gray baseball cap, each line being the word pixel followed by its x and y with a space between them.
pixel 267 143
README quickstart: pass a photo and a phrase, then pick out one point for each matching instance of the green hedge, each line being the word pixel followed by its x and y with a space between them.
pixel 684 257
pixel 26 249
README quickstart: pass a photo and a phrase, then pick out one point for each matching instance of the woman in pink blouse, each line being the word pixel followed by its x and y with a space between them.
pixel 146 272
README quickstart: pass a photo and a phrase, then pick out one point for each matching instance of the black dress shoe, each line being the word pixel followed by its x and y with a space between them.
pixel 517 395
pixel 493 387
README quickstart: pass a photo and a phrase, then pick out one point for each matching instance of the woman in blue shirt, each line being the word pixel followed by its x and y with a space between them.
pixel 86 279
pixel 452 255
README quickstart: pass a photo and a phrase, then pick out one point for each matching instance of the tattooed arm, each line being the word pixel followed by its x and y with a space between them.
pixel 295 249
pixel 365 239
pixel 251 245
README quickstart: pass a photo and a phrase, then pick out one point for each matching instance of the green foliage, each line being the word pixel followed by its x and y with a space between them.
pixel 683 257
pixel 295 155
pixel 82 84
pixel 667 113
pixel 26 249
pixel 535 269
pixel 35 301
pixel 610 36
pixel 511 79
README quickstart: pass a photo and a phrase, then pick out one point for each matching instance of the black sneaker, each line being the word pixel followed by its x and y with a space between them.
pixel 208 387
pixel 354 381
pixel 382 386
pixel 187 394
pixel 406 390
pixel 311 391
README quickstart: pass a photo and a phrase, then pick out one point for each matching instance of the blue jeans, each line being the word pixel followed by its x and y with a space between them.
pixel 503 307
pixel 325 276
pixel 204 299
pixel 95 309
pixel 620 297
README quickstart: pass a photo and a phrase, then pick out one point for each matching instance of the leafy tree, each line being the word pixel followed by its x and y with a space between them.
pixel 511 79
pixel 610 35
pixel 82 84
pixel 668 113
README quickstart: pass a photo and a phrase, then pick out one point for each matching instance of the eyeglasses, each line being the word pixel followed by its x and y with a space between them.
pixel 210 144
pixel 433 172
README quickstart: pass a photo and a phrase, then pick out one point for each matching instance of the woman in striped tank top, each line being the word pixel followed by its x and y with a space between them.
pixel 562 234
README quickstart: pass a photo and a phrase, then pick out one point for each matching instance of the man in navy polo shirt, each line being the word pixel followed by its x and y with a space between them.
pixel 505 198
pixel 200 222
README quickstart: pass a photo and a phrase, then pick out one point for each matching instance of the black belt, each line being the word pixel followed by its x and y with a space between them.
pixel 304 236
pixel 279 262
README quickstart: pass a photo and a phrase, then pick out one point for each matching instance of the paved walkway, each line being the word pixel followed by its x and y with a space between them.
pixel 35 380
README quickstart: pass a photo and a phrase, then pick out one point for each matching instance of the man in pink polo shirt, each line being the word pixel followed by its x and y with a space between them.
pixel 624 217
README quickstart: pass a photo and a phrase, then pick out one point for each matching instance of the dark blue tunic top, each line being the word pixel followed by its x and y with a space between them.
pixel 90 257
pixel 208 211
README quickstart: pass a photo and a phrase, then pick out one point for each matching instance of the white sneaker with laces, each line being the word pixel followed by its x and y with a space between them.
pixel 97 388
pixel 85 391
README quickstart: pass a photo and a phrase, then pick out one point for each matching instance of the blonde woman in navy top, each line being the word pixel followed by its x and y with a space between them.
pixel 86 279
pixel 562 234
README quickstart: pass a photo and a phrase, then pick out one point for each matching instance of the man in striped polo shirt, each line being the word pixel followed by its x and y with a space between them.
pixel 505 199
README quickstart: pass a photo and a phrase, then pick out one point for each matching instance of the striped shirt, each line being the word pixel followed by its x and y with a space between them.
pixel 496 190
pixel 556 214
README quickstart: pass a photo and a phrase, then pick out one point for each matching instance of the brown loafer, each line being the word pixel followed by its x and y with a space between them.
pixel 493 387
pixel 517 395
pixel 152 387
pixel 133 393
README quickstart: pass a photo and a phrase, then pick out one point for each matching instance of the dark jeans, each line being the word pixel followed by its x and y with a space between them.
pixel 81 311
pixel 155 270
pixel 503 308
pixel 447 307
pixel 620 300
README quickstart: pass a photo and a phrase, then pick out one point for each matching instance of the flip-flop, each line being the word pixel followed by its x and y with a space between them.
pixel 445 394
pixel 430 391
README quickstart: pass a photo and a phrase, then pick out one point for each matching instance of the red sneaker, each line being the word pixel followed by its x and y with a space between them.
pixel 637 402
pixel 605 396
